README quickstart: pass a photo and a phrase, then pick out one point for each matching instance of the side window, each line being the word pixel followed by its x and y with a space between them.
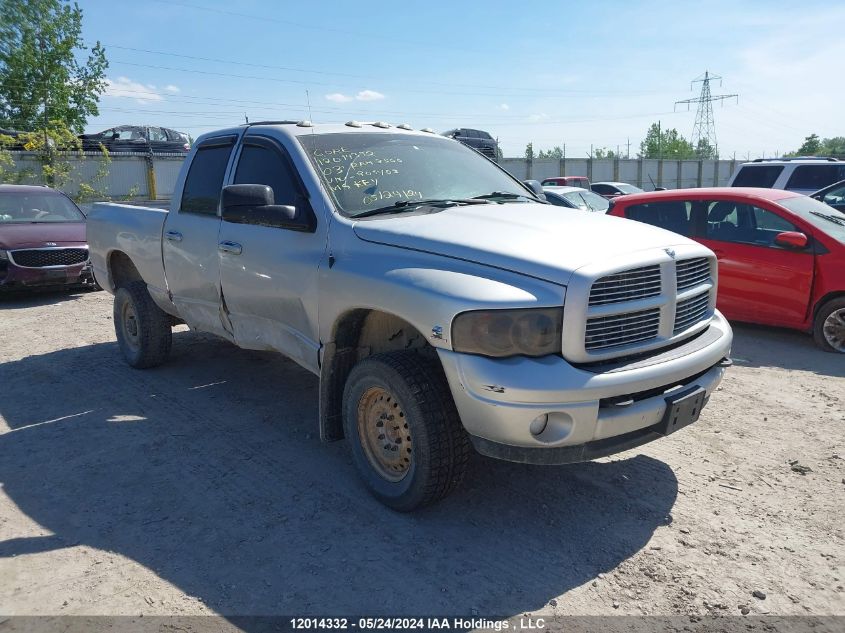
pixel 672 215
pixel 813 176
pixel 740 223
pixel 602 189
pixel 757 176
pixel 261 165
pixel 205 180
pixel 157 134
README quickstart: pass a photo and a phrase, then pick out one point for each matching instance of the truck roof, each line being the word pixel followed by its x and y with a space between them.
pixel 302 128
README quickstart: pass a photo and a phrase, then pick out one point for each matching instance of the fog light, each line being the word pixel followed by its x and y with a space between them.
pixel 538 424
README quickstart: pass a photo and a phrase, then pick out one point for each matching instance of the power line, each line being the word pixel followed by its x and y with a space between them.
pixel 543 91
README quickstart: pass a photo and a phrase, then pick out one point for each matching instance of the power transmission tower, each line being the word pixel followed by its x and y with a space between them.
pixel 704 130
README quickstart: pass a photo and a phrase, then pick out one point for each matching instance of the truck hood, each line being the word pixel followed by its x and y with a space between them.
pixel 543 241
pixel 37 234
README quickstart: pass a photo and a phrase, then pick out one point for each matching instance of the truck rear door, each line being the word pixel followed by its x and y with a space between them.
pixel 189 243
pixel 269 274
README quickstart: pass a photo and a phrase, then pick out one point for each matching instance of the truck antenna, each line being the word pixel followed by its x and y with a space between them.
pixel 308 101
pixel 246 119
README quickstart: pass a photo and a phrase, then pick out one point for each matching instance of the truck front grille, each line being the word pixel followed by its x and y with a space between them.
pixel 691 311
pixel 621 329
pixel 45 257
pixel 692 272
pixel 637 283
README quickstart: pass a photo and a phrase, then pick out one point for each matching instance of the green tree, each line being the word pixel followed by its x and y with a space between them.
pixel 705 150
pixel 660 143
pixel 529 151
pixel 43 60
pixel 556 153
pixel 811 146
pixel 603 152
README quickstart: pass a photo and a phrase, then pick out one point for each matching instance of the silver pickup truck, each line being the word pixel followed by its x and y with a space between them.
pixel 443 305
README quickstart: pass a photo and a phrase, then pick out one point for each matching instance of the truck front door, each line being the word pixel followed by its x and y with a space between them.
pixel 189 243
pixel 269 274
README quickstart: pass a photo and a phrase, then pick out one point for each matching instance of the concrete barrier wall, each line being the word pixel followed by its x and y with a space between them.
pixel 134 175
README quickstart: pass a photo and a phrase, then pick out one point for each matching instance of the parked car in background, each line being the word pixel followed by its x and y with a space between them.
pixel 803 174
pixel 567 181
pixel 42 239
pixel 576 198
pixel 833 195
pixel 476 139
pixel 137 138
pixel 781 254
pixel 612 190
pixel 15 143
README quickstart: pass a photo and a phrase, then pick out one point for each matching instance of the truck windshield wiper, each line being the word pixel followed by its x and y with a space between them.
pixel 503 195
pixel 830 218
pixel 409 205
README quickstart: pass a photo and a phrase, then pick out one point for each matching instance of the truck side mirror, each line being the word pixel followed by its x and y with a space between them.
pixel 254 204
pixel 791 239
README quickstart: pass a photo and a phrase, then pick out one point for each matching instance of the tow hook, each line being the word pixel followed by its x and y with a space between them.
pixel 725 362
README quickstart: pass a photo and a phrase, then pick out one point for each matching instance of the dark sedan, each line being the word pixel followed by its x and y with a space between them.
pixel 42 239
pixel 138 138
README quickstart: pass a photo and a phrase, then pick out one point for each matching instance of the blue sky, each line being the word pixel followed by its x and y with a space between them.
pixel 578 73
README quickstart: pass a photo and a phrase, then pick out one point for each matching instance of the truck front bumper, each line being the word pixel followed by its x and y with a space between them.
pixel 547 411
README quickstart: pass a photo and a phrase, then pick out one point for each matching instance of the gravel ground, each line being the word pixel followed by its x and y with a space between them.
pixel 202 487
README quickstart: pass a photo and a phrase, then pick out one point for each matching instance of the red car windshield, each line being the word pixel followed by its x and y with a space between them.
pixel 28 207
pixel 823 217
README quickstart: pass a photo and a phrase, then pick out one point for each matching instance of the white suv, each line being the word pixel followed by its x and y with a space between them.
pixel 802 175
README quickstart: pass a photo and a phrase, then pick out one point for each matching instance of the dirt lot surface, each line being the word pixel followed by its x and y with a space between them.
pixel 202 487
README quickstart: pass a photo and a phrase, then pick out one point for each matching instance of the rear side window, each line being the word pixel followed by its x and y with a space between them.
pixel 757 176
pixel 484 135
pixel 604 189
pixel 672 215
pixel 262 166
pixel 815 176
pixel 205 180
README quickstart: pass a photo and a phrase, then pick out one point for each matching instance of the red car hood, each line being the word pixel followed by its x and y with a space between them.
pixel 33 235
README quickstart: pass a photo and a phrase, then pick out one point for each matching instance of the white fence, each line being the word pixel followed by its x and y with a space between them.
pixel 154 177
pixel 123 175
pixel 672 174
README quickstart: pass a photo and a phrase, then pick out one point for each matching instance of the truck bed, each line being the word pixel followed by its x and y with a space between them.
pixel 133 230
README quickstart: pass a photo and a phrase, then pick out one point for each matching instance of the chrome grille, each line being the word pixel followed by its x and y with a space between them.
pixel 692 272
pixel 44 257
pixel 691 311
pixel 621 329
pixel 637 283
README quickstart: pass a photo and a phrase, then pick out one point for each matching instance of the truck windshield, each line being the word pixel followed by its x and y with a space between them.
pixel 25 207
pixel 369 171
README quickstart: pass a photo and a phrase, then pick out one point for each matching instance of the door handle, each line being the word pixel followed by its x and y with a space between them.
pixel 173 236
pixel 230 247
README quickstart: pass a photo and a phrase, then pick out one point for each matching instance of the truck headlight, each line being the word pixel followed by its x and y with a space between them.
pixel 500 333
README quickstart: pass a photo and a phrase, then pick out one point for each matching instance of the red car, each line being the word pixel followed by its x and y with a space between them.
pixel 42 239
pixel 781 254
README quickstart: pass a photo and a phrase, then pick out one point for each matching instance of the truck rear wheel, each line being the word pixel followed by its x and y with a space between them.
pixel 142 328
pixel 829 326
pixel 407 440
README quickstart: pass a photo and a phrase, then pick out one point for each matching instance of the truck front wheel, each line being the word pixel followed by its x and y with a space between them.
pixel 143 329
pixel 407 440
